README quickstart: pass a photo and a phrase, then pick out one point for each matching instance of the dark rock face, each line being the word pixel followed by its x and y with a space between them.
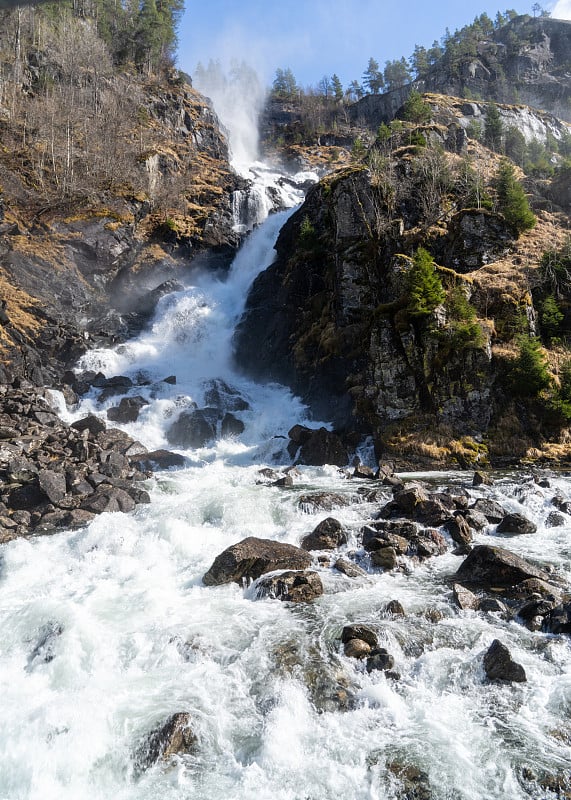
pixel 490 509
pixel 317 447
pixel 494 566
pixel 192 429
pixel 558 620
pixel 499 665
pixel 251 558
pixel 328 535
pixel 128 409
pixel 293 587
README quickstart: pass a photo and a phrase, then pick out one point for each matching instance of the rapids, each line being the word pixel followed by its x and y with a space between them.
pixel 108 630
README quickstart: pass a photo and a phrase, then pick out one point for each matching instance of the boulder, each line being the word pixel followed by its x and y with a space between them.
pixel 465 599
pixel 475 519
pixel 499 665
pixel 108 499
pixel 459 530
pixel 174 737
pixel 231 426
pixel 494 566
pixel 128 409
pixel 482 479
pixel 380 659
pixel 293 587
pixel 394 608
pixel 193 429
pixel 90 423
pixel 348 568
pixel 322 501
pixel 516 524
pixel 361 471
pixel 251 558
pixel 554 520
pixel 323 447
pixel 558 620
pixel 356 648
pixel 493 511
pixel 328 535
pixel 53 485
pixel 219 394
pixel 362 632
pixel 407 498
pixel 385 557
pixel 157 459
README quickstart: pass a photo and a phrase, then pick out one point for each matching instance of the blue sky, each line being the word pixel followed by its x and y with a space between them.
pixel 320 37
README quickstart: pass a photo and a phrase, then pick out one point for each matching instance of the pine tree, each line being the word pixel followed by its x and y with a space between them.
pixel 337 88
pixel 494 130
pixel 373 77
pixel 529 375
pixel 425 287
pixel 511 199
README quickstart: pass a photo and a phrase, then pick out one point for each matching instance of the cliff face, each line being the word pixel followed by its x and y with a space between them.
pixel 526 62
pixel 89 232
pixel 334 310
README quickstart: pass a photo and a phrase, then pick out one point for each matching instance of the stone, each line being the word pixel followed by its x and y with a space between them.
pixel 475 519
pixel 284 483
pixel 21 470
pixel 361 471
pixel 231 426
pixel 348 568
pixel 459 530
pixel 386 558
pixel 493 511
pixel 323 447
pixel 499 665
pixel 128 409
pixel 554 520
pixel 322 501
pixel 157 460
pixel 328 535
pixel 174 737
pixel 90 423
pixel 292 587
pixel 193 429
pixel 394 608
pixel 464 598
pixel 482 479
pixel 108 499
pixel 494 566
pixel 221 395
pixel 251 558
pixel 356 648
pixel 409 497
pixel 558 620
pixel 53 484
pixel 362 632
pixel 562 504
pixel 380 659
pixel 516 524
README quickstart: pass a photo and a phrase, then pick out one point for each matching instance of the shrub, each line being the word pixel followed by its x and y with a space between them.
pixel 550 317
pixel 415 109
pixel 529 374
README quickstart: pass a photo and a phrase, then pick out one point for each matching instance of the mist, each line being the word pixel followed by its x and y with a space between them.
pixel 238 96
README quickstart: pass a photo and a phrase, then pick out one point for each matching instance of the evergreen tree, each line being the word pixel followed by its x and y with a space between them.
pixel 415 109
pixel 285 85
pixel 494 129
pixel 355 91
pixel 425 287
pixel 419 60
pixel 511 199
pixel 373 77
pixel 529 375
pixel 515 145
pixel 396 74
pixel 337 88
pixel 550 317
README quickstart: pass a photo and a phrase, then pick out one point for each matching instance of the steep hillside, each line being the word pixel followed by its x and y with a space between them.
pixel 338 315
pixel 107 175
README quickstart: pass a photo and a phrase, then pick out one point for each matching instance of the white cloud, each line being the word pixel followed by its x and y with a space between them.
pixel 562 10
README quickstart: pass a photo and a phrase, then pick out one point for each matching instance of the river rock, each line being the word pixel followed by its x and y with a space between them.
pixel 193 429
pixel 157 459
pixel 555 520
pixel 349 568
pixel 251 558
pixel 231 426
pixel 356 648
pixel 128 409
pixel 407 498
pixel 322 501
pixel 53 484
pixel 323 447
pixel 494 566
pixel 499 665
pixel 558 620
pixel 221 395
pixel 493 511
pixel 516 524
pixel 362 632
pixel 385 557
pixel 562 504
pixel 459 530
pixel 174 737
pixel 380 659
pixel 108 499
pixel 362 471
pixel 328 535
pixel 475 519
pixel 394 608
pixel 90 423
pixel 293 587
pixel 482 479
pixel 465 599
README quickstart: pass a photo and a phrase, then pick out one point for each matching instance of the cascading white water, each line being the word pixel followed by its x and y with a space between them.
pixel 107 631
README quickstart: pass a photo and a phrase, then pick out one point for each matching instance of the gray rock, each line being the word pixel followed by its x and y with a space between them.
pixel 516 524
pixel 499 665
pixel 356 648
pixel 157 460
pixel 465 599
pixel 386 558
pixel 349 569
pixel 494 566
pixel 193 429
pixel 554 520
pixel 558 620
pixel 90 423
pixel 322 501
pixel 380 659
pixel 251 558
pixel 394 608
pixel 231 426
pixel 459 530
pixel 328 535
pixel 482 479
pixel 128 409
pixel 493 511
pixel 292 587
pixel 53 484
pixel 174 737
pixel 362 632
pixel 108 499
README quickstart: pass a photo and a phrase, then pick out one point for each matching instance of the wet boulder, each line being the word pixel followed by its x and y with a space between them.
pixel 385 558
pixel 380 659
pixel 349 568
pixel 362 632
pixel 251 558
pixel 493 511
pixel 156 460
pixel 108 499
pixel 494 566
pixel 464 598
pixel 219 394
pixel 174 737
pixel 407 498
pixel 231 426
pixel 128 409
pixel 558 620
pixel 516 524
pixel 91 423
pixel 356 648
pixel 193 429
pixel 292 587
pixel 53 484
pixel 500 666
pixel 554 520
pixel 322 501
pixel 328 535
pixel 317 447
pixel 482 479
pixel 459 530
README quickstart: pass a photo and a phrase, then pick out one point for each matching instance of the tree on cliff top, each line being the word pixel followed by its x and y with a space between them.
pixel 425 287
